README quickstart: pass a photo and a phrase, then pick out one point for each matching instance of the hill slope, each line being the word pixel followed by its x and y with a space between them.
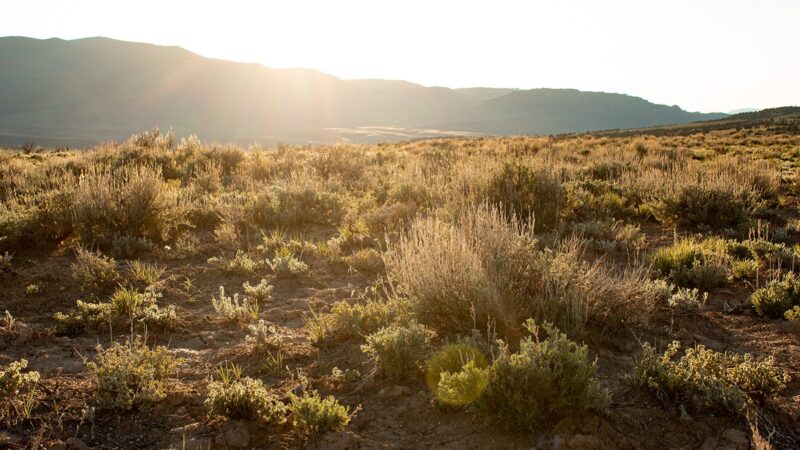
pixel 81 91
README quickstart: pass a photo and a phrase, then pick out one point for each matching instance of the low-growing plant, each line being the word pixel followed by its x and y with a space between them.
pixel 32 289
pixel 340 378
pixel 778 296
pixel 793 314
pixel 464 386
pixel 235 308
pixel 317 414
pixel 5 262
pixel 688 300
pixel 260 334
pixel 241 263
pixel 154 316
pixel 261 292
pixel 17 392
pixel 397 351
pixel 691 263
pixel 546 380
pixel 93 271
pixel 274 364
pixel 129 301
pixel 244 398
pixel 84 315
pixel 145 272
pixel 131 374
pixel 285 264
pixel 464 369
pixel 366 260
pixel 723 379
pixel 346 321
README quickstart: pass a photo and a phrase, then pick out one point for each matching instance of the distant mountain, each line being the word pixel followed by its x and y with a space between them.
pixel 77 92
pixel 783 120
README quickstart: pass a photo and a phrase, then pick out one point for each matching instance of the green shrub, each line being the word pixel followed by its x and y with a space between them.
pixel 244 398
pixel 457 373
pixel 544 382
pixel 792 314
pixel 131 375
pixel 93 270
pixel 722 379
pixel 316 414
pixel 83 316
pixel 464 386
pixel 777 296
pixel 713 205
pixel 347 321
pixel 396 351
pixel 451 358
pixel 691 263
pixel 528 192
pixel 130 302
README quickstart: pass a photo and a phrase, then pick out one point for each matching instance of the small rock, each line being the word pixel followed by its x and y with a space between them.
pixel 341 440
pixel 736 437
pixel 584 442
pixel 236 434
pixel 74 443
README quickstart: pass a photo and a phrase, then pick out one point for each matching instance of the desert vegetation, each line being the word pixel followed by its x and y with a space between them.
pixel 577 291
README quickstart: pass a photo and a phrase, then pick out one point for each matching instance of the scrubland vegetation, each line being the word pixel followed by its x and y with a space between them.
pixel 164 293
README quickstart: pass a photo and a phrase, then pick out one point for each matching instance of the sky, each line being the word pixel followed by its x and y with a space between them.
pixel 703 55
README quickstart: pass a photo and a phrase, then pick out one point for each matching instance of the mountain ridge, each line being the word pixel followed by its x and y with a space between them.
pixel 93 89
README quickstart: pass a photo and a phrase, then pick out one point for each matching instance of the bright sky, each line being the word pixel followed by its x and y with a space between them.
pixel 703 55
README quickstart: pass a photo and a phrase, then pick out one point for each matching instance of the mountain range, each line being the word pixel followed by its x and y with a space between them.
pixel 78 92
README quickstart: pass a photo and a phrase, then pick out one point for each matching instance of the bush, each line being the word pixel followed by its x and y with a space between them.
pixel 722 379
pixel 457 373
pixel 234 308
pixel 244 398
pixel 528 192
pixel 83 316
pixel 261 292
pixel 316 414
pixel 241 264
pixel 688 300
pixel 464 386
pixel 703 204
pixel 17 392
pixel 793 314
pixel 545 381
pixel 691 263
pixel 347 321
pixel 366 260
pixel 285 264
pixel 131 201
pixel 130 302
pixel 778 296
pixel 396 351
pixel 131 375
pixel 93 270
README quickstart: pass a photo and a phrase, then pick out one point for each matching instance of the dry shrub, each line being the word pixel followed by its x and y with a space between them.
pixel 130 201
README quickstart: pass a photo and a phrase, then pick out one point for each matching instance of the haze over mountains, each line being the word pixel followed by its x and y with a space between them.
pixel 78 92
